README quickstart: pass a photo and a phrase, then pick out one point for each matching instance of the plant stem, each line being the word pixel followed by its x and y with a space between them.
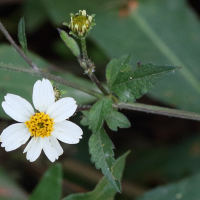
pixel 72 84
pixel 84 50
pixel 54 78
pixel 9 38
pixel 159 110
pixel 99 85
pixel 83 108
pixel 90 67
pixel 37 71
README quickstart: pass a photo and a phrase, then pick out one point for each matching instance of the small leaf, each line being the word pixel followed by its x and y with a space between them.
pixel 99 112
pixel 101 150
pixel 117 119
pixel 70 42
pixel 50 185
pixel 22 35
pixel 131 85
pixel 187 189
pixel 104 185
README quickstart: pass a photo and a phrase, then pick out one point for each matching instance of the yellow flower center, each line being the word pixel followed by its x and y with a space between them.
pixel 40 125
pixel 81 21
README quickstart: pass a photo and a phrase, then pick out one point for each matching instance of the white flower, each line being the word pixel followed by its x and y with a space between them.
pixel 44 126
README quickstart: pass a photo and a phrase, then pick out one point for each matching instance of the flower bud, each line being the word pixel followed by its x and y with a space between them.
pixel 80 24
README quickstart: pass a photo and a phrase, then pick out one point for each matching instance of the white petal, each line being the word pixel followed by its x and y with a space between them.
pixel 51 148
pixel 68 128
pixel 20 102
pixel 33 149
pixel 17 107
pixel 14 136
pixel 57 146
pixel 10 129
pixel 67 132
pixel 43 95
pixel 62 109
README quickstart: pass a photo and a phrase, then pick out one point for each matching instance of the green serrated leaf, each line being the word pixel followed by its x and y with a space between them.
pixel 70 42
pixel 50 185
pixel 131 85
pixel 99 112
pixel 104 185
pixel 85 120
pixel 187 189
pixel 115 66
pixel 101 150
pixel 117 119
pixel 22 35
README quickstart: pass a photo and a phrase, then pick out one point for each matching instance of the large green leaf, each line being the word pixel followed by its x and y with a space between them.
pixel 101 150
pixel 104 190
pixel 173 162
pixel 162 32
pixel 130 85
pixel 50 186
pixel 99 112
pixel 187 189
pixel 22 83
pixel 9 190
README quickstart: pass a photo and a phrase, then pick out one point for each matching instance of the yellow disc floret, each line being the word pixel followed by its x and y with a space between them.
pixel 81 21
pixel 40 125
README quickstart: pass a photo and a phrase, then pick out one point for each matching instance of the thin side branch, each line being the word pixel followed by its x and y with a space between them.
pixel 9 38
pixel 159 110
pixel 99 85
pixel 83 108
pixel 55 78
pixel 89 66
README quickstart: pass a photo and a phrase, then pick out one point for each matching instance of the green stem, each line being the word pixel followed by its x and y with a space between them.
pixel 90 67
pixel 160 110
pixel 84 50
pixel 55 78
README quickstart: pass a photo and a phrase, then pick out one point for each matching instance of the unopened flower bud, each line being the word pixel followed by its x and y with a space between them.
pixel 80 24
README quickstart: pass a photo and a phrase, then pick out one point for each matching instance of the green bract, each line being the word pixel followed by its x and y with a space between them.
pixel 70 42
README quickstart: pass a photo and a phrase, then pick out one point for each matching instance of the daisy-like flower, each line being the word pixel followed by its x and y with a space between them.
pixel 45 126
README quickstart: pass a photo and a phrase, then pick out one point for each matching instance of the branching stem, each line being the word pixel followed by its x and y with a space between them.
pixel 87 64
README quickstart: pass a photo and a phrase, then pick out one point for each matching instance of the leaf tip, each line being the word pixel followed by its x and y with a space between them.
pixel 59 30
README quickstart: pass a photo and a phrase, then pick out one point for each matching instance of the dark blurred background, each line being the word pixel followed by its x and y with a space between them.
pixel 163 149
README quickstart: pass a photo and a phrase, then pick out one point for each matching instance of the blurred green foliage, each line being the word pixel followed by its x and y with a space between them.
pixel 161 32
